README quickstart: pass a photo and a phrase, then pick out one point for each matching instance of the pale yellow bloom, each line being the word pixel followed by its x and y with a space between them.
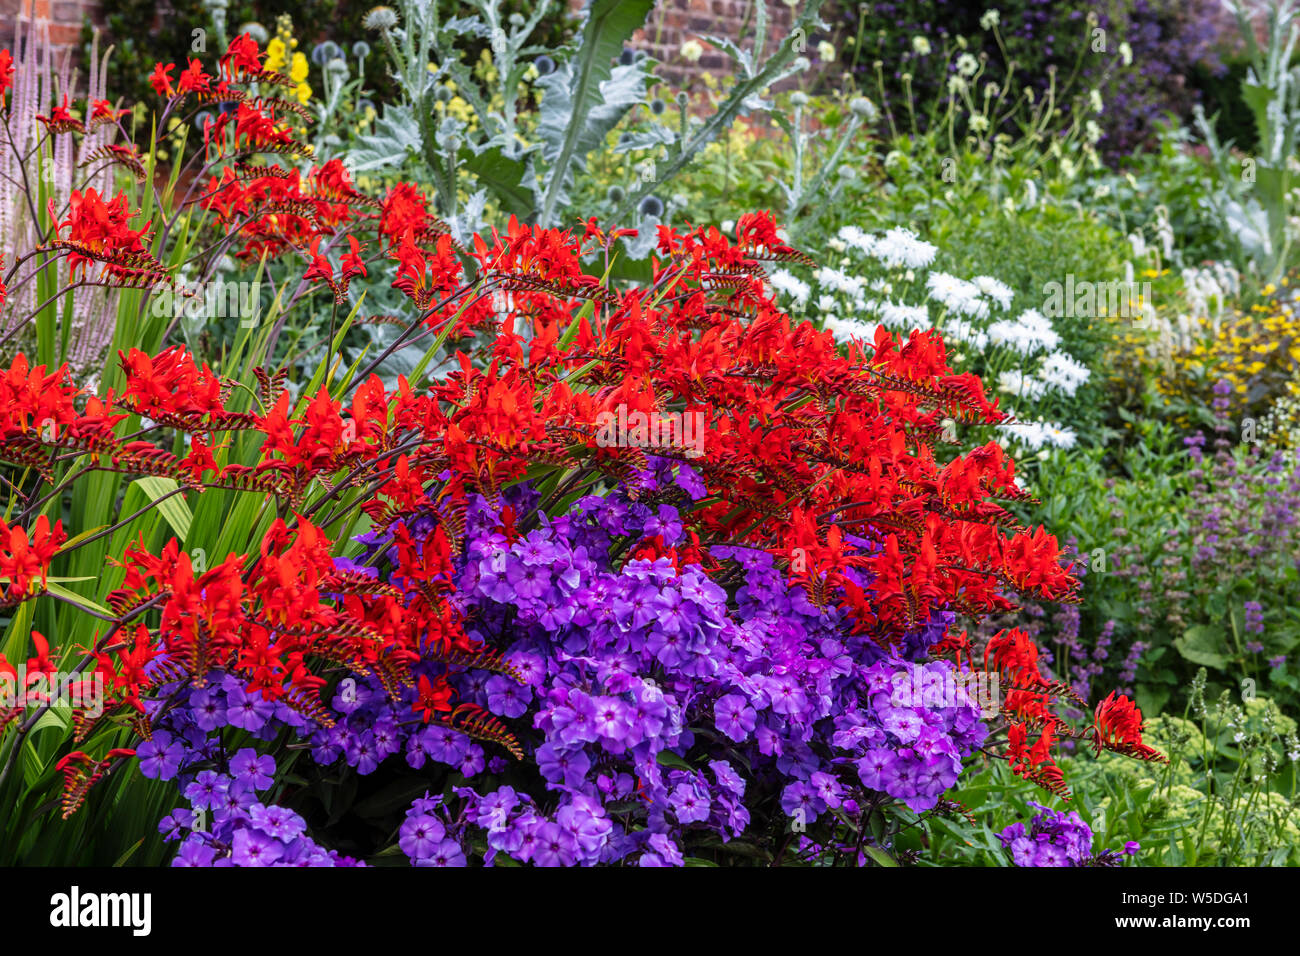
pixel 275 54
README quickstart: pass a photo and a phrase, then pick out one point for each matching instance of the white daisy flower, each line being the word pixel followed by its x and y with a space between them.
pixel 846 330
pixel 1015 382
pixel 839 281
pixel 1063 373
pixel 790 285
pixel 959 330
pixel 999 292
pixel 857 238
pixel 1030 332
pixel 956 294
pixel 896 315
pixel 900 248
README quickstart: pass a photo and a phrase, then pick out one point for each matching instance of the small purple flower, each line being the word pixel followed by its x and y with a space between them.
pixel 254 848
pixel 420 835
pixel 195 852
pixel 734 717
pixel 248 711
pixel 257 771
pixel 690 805
pixel 446 853
pixel 160 756
pixel 281 823
pixel 207 790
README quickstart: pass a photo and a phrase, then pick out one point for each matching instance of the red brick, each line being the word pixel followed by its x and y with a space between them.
pixel 65 34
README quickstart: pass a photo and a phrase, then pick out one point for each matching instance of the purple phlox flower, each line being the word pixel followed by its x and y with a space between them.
pixel 254 769
pixel 160 756
pixel 254 848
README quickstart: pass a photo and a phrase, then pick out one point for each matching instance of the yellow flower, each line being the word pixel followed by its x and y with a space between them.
pixel 298 71
pixel 275 54
pixel 303 92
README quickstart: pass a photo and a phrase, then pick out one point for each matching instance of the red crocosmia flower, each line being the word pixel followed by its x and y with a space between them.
pixel 61 119
pixel 1117 726
pixel 404 211
pixel 24 559
pixel 101 112
pixel 194 80
pixel 242 56
pixel 6 73
pixel 41 663
pixel 199 462
pixel 161 80
pixel 320 266
pixel 433 698
pixel 81 772
pixel 422 275
pixel 170 387
pixel 99 231
pixel 352 264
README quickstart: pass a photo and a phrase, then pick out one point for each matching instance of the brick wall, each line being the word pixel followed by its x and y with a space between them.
pixel 670 24
pixel 64 17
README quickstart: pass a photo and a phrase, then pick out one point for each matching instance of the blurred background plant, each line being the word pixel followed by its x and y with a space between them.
pixel 1257 198
pixel 1138 54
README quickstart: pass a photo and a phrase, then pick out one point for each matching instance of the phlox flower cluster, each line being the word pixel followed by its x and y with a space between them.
pixel 1055 838
pixel 650 691
pixel 664 705
pixel 226 822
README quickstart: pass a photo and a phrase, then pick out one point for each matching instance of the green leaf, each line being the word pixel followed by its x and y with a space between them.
pixel 396 135
pixel 174 509
pixel 130 852
pixel 586 97
pixel 1201 644
pixel 72 597
pixel 666 758
pixel 59 718
pixel 1150 699
pixel 880 856
pixel 501 174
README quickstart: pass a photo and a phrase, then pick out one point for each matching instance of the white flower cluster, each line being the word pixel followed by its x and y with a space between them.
pixel 1040 435
pixel 1061 372
pixel 837 281
pixel 959 330
pixel 1015 382
pixel 957 295
pixel 792 286
pixel 1030 332
pixel 972 313
pixel 904 318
